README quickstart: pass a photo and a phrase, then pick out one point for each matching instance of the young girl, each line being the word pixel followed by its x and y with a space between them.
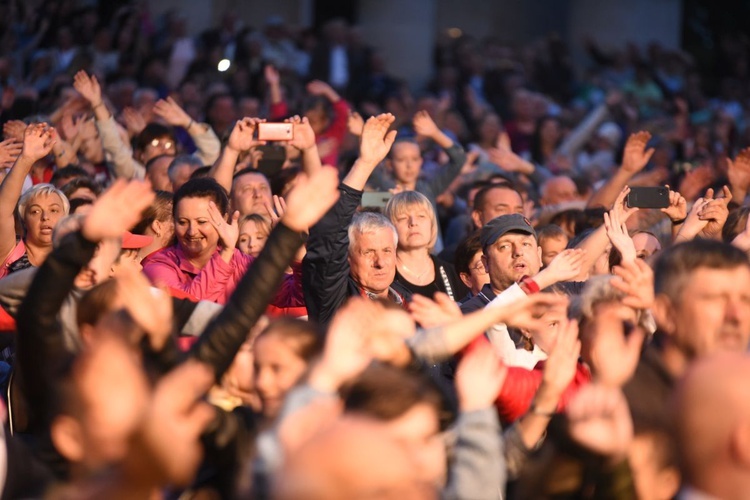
pixel 254 231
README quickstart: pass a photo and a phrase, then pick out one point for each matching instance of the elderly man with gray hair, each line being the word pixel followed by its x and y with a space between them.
pixel 348 253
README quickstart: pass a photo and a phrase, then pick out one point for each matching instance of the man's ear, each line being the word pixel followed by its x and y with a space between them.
pixel 539 252
pixel 67 438
pixel 664 314
pixel 465 278
pixel 476 217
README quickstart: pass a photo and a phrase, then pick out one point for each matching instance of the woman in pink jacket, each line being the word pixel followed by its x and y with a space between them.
pixel 204 261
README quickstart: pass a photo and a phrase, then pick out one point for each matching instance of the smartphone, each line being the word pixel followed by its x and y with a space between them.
pixel 272 160
pixel 648 197
pixel 275 132
pixel 377 199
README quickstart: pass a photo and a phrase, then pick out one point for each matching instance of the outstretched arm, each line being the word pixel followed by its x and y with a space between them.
pixel 635 158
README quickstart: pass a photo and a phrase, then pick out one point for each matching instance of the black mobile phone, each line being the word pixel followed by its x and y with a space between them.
pixel 648 197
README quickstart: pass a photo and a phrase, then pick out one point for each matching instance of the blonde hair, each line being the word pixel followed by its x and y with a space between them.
pixel 403 202
pixel 39 190
pixel 260 221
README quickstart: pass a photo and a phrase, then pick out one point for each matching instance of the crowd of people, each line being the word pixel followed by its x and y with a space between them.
pixel 445 294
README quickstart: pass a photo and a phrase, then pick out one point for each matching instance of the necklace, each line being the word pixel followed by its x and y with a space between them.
pixel 417 276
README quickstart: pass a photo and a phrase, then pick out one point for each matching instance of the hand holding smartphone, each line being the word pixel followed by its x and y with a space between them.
pixel 275 131
pixel 648 197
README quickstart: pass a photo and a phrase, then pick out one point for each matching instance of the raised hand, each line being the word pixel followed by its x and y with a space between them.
pixel 172 113
pixel 317 87
pixel 614 344
pixel 636 280
pixel 677 209
pixel 242 136
pixel 505 158
pixel 304 137
pixel 229 230
pixel 88 87
pixel 345 354
pixel 271 75
pixel 70 126
pixel 636 156
pixel 276 209
pixel 621 206
pixel 617 233
pixel 118 209
pixel 13 129
pixel 167 446
pixel 599 420
pixel 376 140
pixel 429 313
pixel 38 139
pixel 562 363
pixel 529 313
pixel 133 120
pixel 564 267
pixel 10 149
pixel 715 213
pixel 479 377
pixel 693 223
pixel 355 123
pixel 151 308
pixel 312 196
pixel 424 125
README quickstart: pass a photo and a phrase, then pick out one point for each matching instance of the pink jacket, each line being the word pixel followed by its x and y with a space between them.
pixel 217 280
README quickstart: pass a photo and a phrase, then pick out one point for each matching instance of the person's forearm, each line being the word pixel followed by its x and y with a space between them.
pixel 208 146
pixel 10 189
pixel 358 175
pixel 64 153
pixel 594 246
pixel 606 196
pixel 532 426
pixel 442 140
pixel 311 160
pixel 223 170
pixel 274 93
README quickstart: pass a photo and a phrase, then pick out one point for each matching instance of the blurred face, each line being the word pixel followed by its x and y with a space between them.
pixel 490 128
pixel 477 276
pixel 252 238
pixel 129 259
pixel 406 161
pixel 550 132
pixel 318 120
pixel 157 147
pixel 559 190
pixel 277 369
pixel 546 338
pixel 250 194
pixel 157 174
pixel 713 312
pixel 498 201
pixel 195 234
pixel 372 259
pixel 180 175
pixel 646 245
pixel 551 247
pixel 419 431
pixel 114 393
pixel 510 258
pixel 98 268
pixel 414 227
pixel 42 214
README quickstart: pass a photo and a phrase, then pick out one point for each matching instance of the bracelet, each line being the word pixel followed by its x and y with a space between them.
pixel 101 103
pixel 678 222
pixel 61 154
pixel 528 285
pixel 190 124
pixel 536 411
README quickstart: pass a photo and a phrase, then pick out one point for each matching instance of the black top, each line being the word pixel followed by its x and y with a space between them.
pixel 446 281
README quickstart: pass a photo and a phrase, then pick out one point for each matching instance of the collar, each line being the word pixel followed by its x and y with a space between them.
pixel 393 295
pixel 690 493
pixel 487 293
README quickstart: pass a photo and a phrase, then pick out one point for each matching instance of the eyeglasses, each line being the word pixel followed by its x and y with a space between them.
pixel 164 143
pixel 479 268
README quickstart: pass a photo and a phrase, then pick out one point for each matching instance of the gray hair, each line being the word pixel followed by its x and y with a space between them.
pixel 369 222
pixel 182 160
pixel 40 190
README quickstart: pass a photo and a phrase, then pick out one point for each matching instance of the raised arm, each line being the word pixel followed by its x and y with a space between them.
pixel 207 144
pixel 240 140
pixel 635 158
pixel 374 145
pixel 309 200
pixel 425 126
pixel 38 140
pixel 304 141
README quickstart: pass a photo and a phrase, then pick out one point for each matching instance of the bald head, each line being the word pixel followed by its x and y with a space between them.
pixel 712 423
pixel 354 458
